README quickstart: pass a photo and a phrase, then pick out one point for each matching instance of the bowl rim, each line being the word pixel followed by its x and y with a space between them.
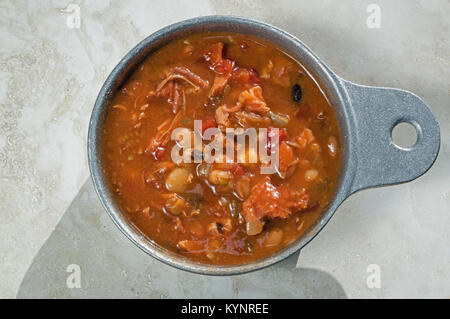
pixel 224 23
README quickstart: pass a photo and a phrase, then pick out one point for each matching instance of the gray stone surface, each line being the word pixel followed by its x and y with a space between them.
pixel 49 78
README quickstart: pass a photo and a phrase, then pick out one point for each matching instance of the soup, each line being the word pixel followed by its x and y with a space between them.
pixel 213 207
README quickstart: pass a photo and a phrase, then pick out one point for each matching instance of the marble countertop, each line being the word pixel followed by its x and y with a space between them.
pixel 51 70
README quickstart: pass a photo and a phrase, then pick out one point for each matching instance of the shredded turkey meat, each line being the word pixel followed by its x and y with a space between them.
pixel 164 131
pixel 252 100
pixel 170 89
pixel 184 74
pixel 222 118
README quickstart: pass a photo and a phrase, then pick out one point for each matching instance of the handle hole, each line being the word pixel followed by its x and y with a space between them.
pixel 404 135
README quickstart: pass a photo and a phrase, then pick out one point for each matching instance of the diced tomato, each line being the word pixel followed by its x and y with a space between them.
pixel 214 57
pixel 208 122
pixel 223 67
pixel 240 76
pixel 243 45
pixel 238 170
pixel 214 54
pixel 159 153
pixel 244 76
pixel 254 77
pixel 282 135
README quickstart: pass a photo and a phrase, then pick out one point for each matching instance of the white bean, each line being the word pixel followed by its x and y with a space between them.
pixel 273 238
pixel 219 177
pixel 179 180
pixel 311 174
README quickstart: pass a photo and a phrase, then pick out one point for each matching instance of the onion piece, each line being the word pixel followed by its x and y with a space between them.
pixel 279 119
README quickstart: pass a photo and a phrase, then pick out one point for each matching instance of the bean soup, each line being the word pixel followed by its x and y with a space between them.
pixel 221 212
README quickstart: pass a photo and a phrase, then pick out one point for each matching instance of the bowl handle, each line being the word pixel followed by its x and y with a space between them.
pixel 379 160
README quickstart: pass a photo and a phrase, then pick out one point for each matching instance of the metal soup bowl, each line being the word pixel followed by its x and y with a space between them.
pixel 366 117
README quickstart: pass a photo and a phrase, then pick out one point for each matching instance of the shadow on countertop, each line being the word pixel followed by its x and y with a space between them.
pixel 112 267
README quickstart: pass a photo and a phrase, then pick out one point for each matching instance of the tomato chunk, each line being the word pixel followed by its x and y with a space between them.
pixel 269 201
pixel 159 153
pixel 208 122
